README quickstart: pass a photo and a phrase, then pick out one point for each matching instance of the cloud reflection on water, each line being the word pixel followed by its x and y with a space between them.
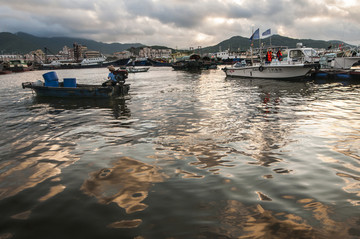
pixel 240 221
pixel 127 184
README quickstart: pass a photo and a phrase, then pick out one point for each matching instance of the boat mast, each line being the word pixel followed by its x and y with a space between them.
pixel 260 49
pixel 251 46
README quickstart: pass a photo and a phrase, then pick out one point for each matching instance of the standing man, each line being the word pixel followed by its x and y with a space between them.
pixel 279 55
pixel 268 56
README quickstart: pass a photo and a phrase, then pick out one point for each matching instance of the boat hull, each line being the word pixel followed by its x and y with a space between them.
pixel 345 62
pixel 85 91
pixel 269 71
pixel 120 62
pixel 137 70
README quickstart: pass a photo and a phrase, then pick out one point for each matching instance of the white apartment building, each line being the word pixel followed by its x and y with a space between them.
pixel 148 52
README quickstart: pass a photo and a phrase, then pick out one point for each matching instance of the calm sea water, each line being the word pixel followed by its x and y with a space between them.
pixel 186 155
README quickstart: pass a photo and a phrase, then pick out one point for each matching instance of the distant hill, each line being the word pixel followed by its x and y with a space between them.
pixel 238 43
pixel 23 43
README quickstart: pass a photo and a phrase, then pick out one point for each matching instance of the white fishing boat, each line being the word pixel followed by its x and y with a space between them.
pixel 345 62
pixel 93 61
pixel 297 64
pixel 333 61
pixel 132 69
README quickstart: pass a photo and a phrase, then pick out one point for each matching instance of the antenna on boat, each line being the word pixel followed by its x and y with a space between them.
pixel 260 45
pixel 251 46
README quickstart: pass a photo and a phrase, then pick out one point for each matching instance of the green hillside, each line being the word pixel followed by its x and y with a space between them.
pixel 23 43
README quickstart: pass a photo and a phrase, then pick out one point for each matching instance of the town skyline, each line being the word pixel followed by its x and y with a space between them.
pixel 27 44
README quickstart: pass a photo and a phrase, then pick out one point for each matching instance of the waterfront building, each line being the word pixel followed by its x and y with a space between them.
pixel 228 55
pixel 122 54
pixel 67 53
pixel 10 57
pixel 179 55
pixel 92 54
pixel 148 52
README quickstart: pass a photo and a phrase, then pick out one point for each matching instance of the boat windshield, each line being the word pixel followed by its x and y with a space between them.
pixel 310 52
pixel 296 54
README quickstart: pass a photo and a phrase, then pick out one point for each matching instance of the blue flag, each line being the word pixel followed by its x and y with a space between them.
pixel 267 32
pixel 255 35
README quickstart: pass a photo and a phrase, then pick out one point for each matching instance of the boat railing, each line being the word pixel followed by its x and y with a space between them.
pixel 274 62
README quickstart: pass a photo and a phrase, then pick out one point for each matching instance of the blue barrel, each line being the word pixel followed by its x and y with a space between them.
pixel 69 82
pixel 51 79
pixel 52 83
pixel 50 76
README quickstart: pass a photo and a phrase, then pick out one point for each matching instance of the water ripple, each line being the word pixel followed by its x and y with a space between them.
pixel 186 155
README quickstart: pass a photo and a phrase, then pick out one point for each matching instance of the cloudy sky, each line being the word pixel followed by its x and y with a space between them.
pixel 182 23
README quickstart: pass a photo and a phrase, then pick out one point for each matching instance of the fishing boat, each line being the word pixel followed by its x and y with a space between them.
pixel 194 63
pixel 18 66
pixel 188 63
pixel 338 64
pixel 81 90
pixel 96 62
pixel 297 64
pixel 4 68
pixel 68 88
pixel 138 61
pixel 337 61
pixel 132 69
pixel 228 58
pixel 159 62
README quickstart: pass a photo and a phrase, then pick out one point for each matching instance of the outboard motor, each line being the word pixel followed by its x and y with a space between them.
pixel 121 75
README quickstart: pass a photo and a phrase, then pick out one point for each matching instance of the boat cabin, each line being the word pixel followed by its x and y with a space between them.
pixel 306 55
pixel 299 54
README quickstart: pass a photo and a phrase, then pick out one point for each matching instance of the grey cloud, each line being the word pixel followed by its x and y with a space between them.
pixel 187 14
pixel 180 15
pixel 178 22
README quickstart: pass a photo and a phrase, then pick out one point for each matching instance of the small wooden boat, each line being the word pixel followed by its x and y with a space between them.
pixel 81 90
pixel 68 88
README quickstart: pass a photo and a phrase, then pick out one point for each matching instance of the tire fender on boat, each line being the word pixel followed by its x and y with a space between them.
pixel 261 68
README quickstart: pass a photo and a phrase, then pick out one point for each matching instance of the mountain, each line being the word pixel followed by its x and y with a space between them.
pixel 237 43
pixel 23 43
